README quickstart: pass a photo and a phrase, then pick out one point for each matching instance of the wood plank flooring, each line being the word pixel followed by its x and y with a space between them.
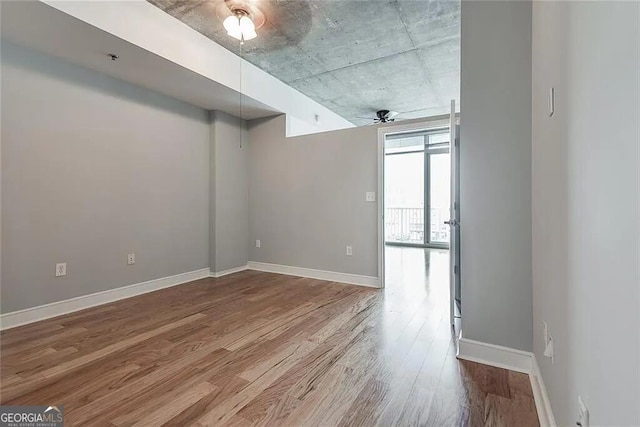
pixel 261 349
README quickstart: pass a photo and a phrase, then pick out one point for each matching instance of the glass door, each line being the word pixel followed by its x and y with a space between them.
pixel 417 188
pixel 405 191
pixel 439 191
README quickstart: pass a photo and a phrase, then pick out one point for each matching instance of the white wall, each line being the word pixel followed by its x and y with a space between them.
pixel 93 169
pixel 586 197
pixel 495 172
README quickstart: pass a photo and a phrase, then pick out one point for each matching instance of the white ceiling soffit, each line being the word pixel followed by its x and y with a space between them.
pixel 160 53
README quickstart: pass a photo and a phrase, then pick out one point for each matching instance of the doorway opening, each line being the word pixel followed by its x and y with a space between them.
pixel 418 214
pixel 417 189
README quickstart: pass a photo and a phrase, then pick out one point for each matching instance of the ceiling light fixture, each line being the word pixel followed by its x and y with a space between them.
pixel 240 18
pixel 240 26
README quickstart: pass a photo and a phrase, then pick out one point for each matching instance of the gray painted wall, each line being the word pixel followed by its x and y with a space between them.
pixel 307 197
pixel 0 165
pixel 586 197
pixel 212 191
pixel 495 172
pixel 92 169
pixel 229 192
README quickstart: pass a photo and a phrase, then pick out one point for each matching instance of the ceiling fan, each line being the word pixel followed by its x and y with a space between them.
pixel 383 116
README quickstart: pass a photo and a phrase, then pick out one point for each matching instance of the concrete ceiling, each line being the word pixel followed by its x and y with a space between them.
pixel 352 56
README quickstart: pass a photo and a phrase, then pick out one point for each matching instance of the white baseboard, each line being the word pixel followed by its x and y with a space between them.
pixel 514 360
pixel 543 404
pixel 42 312
pixel 332 276
pixel 229 271
pixel 495 355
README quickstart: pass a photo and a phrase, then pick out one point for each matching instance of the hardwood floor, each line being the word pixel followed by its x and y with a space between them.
pixel 264 349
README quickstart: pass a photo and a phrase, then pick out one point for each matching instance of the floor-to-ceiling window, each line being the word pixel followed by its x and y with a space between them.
pixel 417 188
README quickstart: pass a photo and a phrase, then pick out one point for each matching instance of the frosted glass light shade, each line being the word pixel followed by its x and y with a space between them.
pixel 246 25
pixel 250 35
pixel 240 27
pixel 231 23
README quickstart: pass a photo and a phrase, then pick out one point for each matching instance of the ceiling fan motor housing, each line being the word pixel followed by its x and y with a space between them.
pixel 384 116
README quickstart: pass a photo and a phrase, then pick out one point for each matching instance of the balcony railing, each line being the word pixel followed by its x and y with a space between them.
pixel 406 225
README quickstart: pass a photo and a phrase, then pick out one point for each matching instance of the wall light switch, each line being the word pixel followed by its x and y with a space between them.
pixel 370 196
pixel 349 250
pixel 61 269
pixel 257 243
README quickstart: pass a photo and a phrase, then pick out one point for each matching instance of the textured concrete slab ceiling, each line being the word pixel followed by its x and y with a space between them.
pixel 352 56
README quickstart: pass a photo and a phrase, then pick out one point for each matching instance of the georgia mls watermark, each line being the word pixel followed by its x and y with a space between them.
pixel 31 416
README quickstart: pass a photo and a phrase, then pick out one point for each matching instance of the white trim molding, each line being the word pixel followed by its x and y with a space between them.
pixel 332 276
pixel 514 360
pixel 495 355
pixel 58 308
pixel 543 404
pixel 229 271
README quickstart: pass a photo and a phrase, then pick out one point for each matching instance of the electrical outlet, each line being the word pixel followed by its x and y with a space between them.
pixel 583 413
pixel 257 243
pixel 131 259
pixel 349 251
pixel 61 269
pixel 370 196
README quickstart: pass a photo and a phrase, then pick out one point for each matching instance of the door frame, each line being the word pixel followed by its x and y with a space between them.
pixel 432 123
